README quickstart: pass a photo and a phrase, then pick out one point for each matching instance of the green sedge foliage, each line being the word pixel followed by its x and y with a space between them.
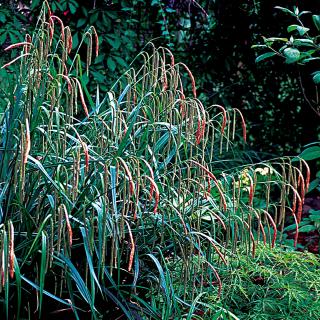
pixel 102 196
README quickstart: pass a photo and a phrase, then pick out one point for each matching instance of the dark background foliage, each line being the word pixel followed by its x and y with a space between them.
pixel 214 38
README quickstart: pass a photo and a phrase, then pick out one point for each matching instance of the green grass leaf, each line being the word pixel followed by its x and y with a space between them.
pixel 43 270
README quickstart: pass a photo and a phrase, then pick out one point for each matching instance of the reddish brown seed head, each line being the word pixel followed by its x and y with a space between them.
pixel 96 40
pixel 243 124
pixel 11 251
pixel 85 109
pixel 198 133
pixel 154 188
pixel 52 18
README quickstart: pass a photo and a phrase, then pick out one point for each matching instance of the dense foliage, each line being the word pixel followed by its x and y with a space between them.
pixel 214 37
pixel 123 192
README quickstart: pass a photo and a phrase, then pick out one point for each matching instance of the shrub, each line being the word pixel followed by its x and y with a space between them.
pixel 299 47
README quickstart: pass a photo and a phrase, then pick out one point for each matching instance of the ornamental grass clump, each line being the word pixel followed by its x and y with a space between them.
pixel 126 204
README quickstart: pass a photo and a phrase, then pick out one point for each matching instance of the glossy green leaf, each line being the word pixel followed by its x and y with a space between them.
pixel 311 153
pixel 316 21
pixel 292 55
pixel 308 228
pixel 285 10
pixel 304 42
pixel 35 4
pixel 114 41
pixel 314 184
pixel 303 12
pixel 111 64
pixel 302 30
pixel 81 22
pixel 265 56
pixel 316 77
pixel 73 8
pixel 3 18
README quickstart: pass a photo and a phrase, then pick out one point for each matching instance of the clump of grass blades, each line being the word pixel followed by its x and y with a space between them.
pixel 99 199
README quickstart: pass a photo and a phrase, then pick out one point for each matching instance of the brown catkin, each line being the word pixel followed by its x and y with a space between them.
pixel 86 156
pixel 59 222
pixel 85 108
pixel 164 78
pixel 29 40
pixel 68 39
pixel 11 250
pixel 128 173
pixel 17 45
pixel 157 194
pixel 27 143
pixel 51 31
pixel 89 53
pixel 68 225
pixel 223 125
pixel 193 83
pixel 132 248
pixel 68 82
pixel 307 181
pixel 96 40
pixel 152 177
pixel 52 18
pixel 243 124
pixel 14 60
pixel 48 8
pixel 212 176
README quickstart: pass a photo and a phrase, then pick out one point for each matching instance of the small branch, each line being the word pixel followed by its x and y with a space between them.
pixel 313 107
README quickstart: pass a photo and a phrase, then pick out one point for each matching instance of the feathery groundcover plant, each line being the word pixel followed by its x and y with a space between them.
pixel 126 205
pixel 273 285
